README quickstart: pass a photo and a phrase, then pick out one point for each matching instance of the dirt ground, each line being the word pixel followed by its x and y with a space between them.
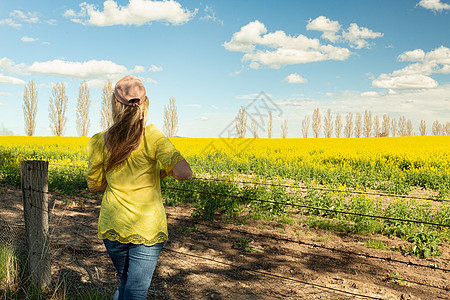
pixel 222 260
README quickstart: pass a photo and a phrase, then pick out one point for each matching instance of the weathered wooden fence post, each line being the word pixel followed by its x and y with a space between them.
pixel 35 207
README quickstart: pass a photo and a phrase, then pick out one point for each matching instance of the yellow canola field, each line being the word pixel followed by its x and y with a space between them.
pixel 429 153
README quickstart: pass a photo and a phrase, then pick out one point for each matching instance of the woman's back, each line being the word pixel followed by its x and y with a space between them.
pixel 132 208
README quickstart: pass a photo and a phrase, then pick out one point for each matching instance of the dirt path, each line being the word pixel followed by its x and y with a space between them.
pixel 220 260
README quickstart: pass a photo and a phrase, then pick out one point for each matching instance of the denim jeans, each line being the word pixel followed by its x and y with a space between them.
pixel 135 265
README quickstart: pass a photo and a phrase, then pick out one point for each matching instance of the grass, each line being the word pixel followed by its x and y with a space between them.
pixel 15 285
pixel 395 278
pixel 9 271
pixel 323 238
pixel 375 244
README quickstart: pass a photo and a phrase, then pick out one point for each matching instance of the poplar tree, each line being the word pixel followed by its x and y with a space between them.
pixel 30 107
pixel 57 109
pixel 83 103
pixel 170 118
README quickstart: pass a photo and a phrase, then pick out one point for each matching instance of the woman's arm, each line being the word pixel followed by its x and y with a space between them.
pixel 99 188
pixel 181 171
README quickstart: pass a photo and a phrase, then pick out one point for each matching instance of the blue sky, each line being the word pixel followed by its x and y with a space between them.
pixel 390 57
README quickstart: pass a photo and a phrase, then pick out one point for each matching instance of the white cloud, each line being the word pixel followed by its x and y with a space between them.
pixel 51 22
pixel 18 16
pixel 203 119
pixel 6 63
pixel 214 106
pixel 415 81
pixel 210 15
pixel 10 80
pixel 416 75
pixel 235 73
pixel 392 92
pixel 357 36
pixel 244 39
pixel 148 79
pixel 329 27
pixel 154 68
pixel 28 39
pixel 434 5
pixel 331 95
pixel 138 69
pixel 10 22
pixel 370 94
pixel 426 104
pixel 295 78
pixel 283 56
pixel 137 12
pixel 28 17
pixel 96 83
pixel 5 94
pixel 275 49
pixel 83 70
pixel 414 55
pixel 193 105
pixel 3 104
pixel 254 65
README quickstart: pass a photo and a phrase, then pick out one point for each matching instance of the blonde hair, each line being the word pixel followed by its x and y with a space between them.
pixel 125 133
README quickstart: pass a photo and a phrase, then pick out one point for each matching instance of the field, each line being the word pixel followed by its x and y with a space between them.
pixel 393 188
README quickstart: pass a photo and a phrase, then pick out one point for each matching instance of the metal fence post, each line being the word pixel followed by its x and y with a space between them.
pixel 34 176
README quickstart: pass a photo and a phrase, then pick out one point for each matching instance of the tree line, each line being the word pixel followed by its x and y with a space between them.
pixel 58 105
pixel 356 125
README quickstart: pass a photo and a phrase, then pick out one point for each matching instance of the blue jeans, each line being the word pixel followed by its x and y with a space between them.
pixel 135 265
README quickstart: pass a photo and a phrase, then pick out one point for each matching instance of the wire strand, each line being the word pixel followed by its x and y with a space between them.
pixel 309 207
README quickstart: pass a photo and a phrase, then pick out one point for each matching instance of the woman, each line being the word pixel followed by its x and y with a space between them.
pixel 124 162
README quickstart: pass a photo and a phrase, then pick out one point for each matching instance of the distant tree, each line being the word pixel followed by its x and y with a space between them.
pixel 170 118
pixel 316 122
pixel 348 128
pixel 385 127
pixel 240 122
pixel 422 128
pixel 436 128
pixel 358 125
pixel 409 128
pixel 57 109
pixel 376 126
pixel 338 125
pixel 447 128
pixel 305 126
pixel 284 129
pixel 270 125
pixel 255 128
pixel 328 124
pixel 367 123
pixel 394 127
pixel 106 110
pixel 83 103
pixel 401 126
pixel 30 107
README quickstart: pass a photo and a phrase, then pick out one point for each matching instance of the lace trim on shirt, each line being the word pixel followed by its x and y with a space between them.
pixel 113 235
pixel 176 157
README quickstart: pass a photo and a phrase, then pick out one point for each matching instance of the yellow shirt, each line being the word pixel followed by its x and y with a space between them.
pixel 132 210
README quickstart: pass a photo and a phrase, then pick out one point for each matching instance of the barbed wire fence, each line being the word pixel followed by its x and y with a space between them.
pixel 80 263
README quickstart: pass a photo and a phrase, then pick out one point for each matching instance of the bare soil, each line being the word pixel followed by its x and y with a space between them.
pixel 223 260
